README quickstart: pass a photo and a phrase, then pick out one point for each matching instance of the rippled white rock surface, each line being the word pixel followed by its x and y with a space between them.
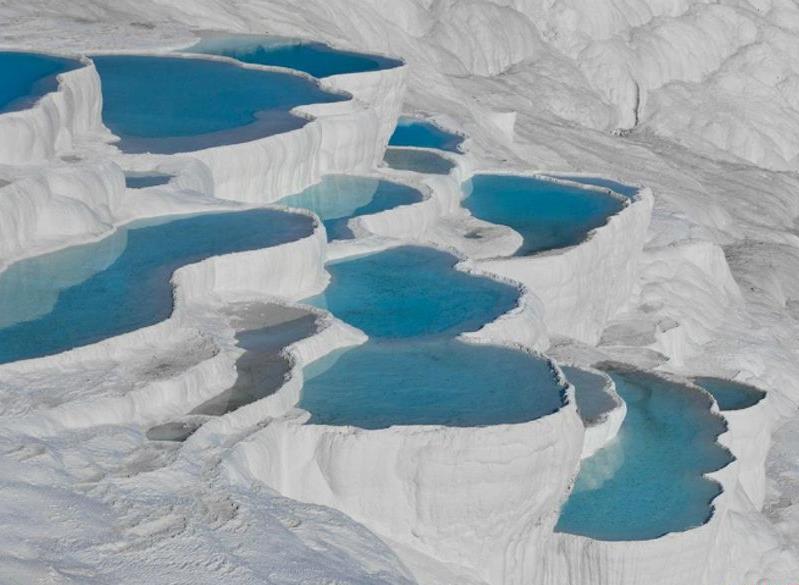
pixel 695 101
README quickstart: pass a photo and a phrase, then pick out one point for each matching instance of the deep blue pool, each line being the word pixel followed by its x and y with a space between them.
pixel 316 59
pixel 339 198
pixel 435 382
pixel 730 395
pixel 548 215
pixel 593 400
pixel 412 291
pixel 84 294
pixel 423 134
pixel 143 180
pixel 25 77
pixel 628 191
pixel 172 104
pixel 649 480
pixel 419 161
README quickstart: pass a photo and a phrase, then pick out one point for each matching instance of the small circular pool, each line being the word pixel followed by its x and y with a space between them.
pixel 548 215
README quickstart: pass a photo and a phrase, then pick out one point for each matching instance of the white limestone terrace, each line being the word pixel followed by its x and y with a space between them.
pixel 581 286
pixel 343 136
pixel 57 121
pixel 713 292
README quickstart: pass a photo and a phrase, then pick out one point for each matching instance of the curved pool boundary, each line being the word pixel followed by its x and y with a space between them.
pixel 605 428
pixel 57 119
pixel 342 137
pixel 435 120
pixel 698 555
pixel 398 221
pixel 582 286
pixel 199 290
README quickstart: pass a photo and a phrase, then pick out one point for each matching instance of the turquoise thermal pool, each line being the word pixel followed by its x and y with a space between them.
pixel 135 180
pixel 84 294
pixel 419 161
pixel 412 291
pixel 25 77
pixel 339 198
pixel 435 382
pixel 730 395
pixel 173 104
pixel 423 134
pixel 649 480
pixel 316 59
pixel 548 215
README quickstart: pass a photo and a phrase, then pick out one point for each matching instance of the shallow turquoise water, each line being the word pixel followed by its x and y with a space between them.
pixel 338 198
pixel 548 215
pixel 262 369
pixel 424 134
pixel 436 382
pixel 84 294
pixel 419 161
pixel 144 180
pixel 730 395
pixel 592 399
pixel 171 104
pixel 315 59
pixel 625 190
pixel 412 291
pixel 648 481
pixel 25 77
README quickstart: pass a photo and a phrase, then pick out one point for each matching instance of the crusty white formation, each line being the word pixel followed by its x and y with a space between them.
pixel 56 121
pixel 346 136
pixel 412 484
pixel 601 431
pixel 582 286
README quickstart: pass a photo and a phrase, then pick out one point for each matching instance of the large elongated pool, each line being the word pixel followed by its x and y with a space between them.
pixel 25 77
pixel 339 198
pixel 548 215
pixel 316 59
pixel 649 480
pixel 434 382
pixel 84 294
pixel 171 104
pixel 412 291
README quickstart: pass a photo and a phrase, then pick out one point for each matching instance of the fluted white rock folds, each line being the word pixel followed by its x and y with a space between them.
pixel 53 123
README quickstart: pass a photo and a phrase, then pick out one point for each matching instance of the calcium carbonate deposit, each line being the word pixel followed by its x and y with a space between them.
pixel 414 292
